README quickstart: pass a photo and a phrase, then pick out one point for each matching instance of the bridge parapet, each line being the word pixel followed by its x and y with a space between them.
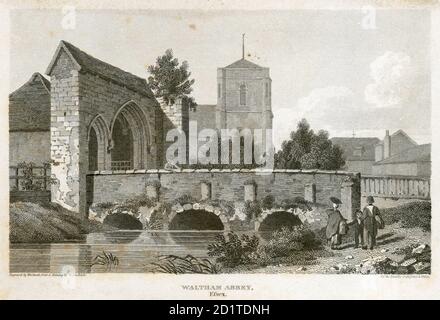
pixel 315 186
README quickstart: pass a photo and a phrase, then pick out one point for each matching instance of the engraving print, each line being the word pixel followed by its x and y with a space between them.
pixel 214 142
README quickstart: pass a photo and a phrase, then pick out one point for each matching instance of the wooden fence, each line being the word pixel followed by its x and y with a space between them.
pixel 29 183
pixel 35 178
pixel 399 187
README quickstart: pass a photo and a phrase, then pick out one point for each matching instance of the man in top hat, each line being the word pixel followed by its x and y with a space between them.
pixel 334 220
pixel 372 221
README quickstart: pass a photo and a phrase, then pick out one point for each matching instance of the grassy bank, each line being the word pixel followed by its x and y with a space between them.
pixel 415 214
pixel 36 223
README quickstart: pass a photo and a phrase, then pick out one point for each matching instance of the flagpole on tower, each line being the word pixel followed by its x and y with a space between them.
pixel 242 54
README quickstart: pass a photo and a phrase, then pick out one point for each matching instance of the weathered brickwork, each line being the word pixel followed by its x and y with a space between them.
pixel 82 100
pixel 66 133
pixel 175 116
pixel 107 99
pixel 230 185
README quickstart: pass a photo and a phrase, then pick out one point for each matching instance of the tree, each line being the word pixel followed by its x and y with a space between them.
pixel 307 150
pixel 169 80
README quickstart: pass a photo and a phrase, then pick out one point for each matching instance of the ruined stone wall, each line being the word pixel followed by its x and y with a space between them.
pixel 103 97
pixel 67 130
pixel 76 99
pixel 230 185
pixel 175 116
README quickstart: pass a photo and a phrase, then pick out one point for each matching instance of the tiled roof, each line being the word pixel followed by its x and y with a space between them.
pixel 243 63
pixel 29 105
pixel 366 147
pixel 86 62
pixel 420 153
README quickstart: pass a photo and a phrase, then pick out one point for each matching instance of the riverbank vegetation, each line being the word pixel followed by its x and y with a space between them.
pixel 44 223
pixel 188 264
pixel 296 245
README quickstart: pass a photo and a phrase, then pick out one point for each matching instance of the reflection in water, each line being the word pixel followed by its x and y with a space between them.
pixel 119 237
pixel 135 250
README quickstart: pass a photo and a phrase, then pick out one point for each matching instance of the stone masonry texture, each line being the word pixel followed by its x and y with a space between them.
pixel 229 185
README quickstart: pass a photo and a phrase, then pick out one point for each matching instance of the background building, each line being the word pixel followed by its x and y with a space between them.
pixel 415 161
pixel 396 154
pixel 359 153
pixel 29 122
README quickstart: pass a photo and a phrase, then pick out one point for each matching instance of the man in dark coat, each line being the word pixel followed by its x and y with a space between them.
pixel 372 221
pixel 335 218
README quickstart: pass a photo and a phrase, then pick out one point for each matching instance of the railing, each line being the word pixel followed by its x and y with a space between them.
pixel 402 187
pixel 121 165
pixel 29 178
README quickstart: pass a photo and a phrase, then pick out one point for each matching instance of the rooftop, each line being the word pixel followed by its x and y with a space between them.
pixel 29 105
pixel 86 62
pixel 243 63
pixel 363 146
pixel 420 153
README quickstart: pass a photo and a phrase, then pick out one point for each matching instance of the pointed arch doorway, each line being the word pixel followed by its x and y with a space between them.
pixel 122 151
pixel 130 138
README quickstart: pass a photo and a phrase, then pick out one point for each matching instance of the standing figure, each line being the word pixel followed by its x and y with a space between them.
pixel 372 221
pixel 358 226
pixel 333 224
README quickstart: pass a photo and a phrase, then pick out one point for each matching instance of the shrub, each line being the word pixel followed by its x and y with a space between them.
pixel 135 203
pixel 157 216
pixel 233 250
pixel 268 202
pixel 184 199
pixel 297 202
pixel 130 205
pixel 287 241
pixel 189 264
pixel 410 215
pixel 105 205
pixel 106 259
pixel 252 209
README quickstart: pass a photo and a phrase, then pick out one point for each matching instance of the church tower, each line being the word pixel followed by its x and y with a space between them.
pixel 243 96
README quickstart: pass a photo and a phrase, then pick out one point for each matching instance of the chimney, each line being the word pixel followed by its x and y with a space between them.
pixel 387 145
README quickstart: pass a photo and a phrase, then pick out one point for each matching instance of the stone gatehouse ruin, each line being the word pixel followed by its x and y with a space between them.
pixel 104 134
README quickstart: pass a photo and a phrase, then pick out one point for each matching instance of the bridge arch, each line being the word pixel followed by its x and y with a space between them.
pixel 212 212
pixel 278 217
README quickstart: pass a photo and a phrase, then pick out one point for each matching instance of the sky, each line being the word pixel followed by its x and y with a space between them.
pixel 345 71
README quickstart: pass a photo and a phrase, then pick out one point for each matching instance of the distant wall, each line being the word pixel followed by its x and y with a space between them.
pixel 408 169
pixel 363 166
pixel 32 146
pixel 400 143
pixel 424 169
pixel 229 185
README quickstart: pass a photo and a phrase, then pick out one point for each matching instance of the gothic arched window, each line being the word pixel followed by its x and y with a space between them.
pixel 242 95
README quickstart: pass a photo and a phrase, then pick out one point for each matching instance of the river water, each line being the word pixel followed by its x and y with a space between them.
pixel 135 251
